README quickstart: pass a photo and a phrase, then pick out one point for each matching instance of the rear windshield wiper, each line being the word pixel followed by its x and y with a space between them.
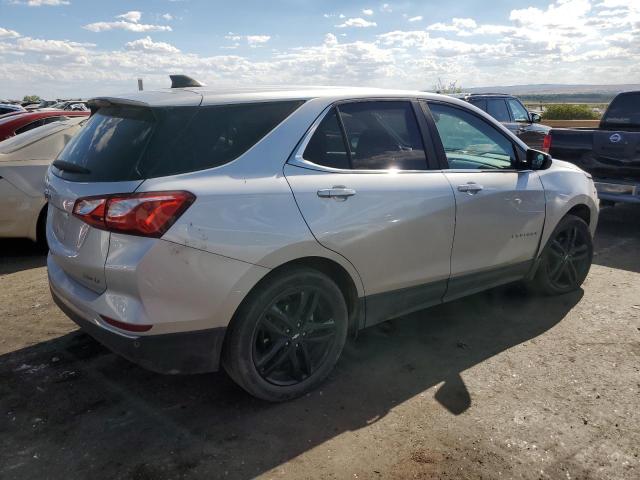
pixel 70 167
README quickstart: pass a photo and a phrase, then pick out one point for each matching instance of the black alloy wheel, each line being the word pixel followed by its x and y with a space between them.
pixel 293 336
pixel 566 259
pixel 569 258
pixel 287 334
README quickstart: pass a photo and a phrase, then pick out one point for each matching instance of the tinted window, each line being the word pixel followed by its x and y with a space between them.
pixel 497 108
pixel 480 103
pixel 4 110
pixel 383 135
pixel 49 120
pixel 520 113
pixel 29 126
pixel 624 110
pixel 327 146
pixel 469 141
pixel 121 143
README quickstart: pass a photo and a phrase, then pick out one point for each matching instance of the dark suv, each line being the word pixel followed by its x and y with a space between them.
pixel 512 114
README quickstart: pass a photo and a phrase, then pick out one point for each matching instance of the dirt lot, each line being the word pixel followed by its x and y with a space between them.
pixel 498 385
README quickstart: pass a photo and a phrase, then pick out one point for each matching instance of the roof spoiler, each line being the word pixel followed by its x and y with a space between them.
pixel 182 81
pixel 96 103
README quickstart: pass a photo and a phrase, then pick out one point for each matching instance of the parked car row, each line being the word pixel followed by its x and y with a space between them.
pixel 15 124
pixel 29 141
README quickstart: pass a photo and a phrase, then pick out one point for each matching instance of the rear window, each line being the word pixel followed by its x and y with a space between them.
pixel 124 143
pixel 624 110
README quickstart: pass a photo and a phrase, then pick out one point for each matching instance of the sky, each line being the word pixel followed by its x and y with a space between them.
pixel 82 48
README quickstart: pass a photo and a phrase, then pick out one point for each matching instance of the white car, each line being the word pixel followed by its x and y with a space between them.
pixel 24 160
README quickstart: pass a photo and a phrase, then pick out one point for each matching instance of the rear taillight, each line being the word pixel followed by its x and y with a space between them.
pixel 148 214
pixel 546 143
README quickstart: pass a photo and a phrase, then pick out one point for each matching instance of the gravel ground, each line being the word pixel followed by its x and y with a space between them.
pixel 497 385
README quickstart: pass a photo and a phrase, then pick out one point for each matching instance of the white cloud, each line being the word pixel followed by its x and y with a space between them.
pixel 147 45
pixel 417 18
pixel 132 16
pixel 357 22
pixel 167 16
pixel 590 46
pixel 6 33
pixel 386 8
pixel 40 3
pixel 330 39
pixel 52 47
pixel 252 40
pixel 130 21
pixel 367 11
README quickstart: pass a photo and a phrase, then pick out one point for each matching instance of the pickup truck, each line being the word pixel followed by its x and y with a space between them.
pixel 611 153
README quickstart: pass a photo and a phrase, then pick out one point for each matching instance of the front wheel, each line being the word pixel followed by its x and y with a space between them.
pixel 287 335
pixel 566 259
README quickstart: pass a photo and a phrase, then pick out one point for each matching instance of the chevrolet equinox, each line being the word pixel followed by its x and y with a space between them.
pixel 254 229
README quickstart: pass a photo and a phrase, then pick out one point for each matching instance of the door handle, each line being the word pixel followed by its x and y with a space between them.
pixel 338 192
pixel 471 188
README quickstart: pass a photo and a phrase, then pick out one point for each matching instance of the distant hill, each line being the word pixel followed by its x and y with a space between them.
pixel 560 93
pixel 554 89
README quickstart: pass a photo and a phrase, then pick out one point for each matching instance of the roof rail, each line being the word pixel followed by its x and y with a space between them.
pixel 182 81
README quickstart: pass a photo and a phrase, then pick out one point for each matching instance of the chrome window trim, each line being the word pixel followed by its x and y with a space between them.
pixel 297 159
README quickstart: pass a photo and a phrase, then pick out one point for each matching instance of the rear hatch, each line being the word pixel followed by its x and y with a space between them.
pixel 126 142
pixel 103 159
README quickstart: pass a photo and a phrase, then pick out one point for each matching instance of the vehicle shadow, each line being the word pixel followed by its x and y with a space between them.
pixel 20 254
pixel 617 239
pixel 86 413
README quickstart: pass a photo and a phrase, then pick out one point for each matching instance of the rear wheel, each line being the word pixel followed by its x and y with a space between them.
pixel 287 335
pixel 566 259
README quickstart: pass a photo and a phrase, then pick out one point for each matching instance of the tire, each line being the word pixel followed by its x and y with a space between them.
pixel 41 231
pixel 283 342
pixel 566 259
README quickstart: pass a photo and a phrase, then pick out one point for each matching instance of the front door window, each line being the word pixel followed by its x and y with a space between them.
pixel 470 142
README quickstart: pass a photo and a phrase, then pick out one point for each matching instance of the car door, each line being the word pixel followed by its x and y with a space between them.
pixel 362 183
pixel 500 209
pixel 523 127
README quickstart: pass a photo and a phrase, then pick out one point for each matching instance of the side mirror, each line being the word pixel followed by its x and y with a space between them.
pixel 535 118
pixel 538 160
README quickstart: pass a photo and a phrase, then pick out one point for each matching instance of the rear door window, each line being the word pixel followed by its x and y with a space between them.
pixel 497 108
pixel 327 146
pixel 480 103
pixel 123 143
pixel 383 135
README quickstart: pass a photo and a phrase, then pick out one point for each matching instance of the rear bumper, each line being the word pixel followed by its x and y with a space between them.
pixel 617 191
pixel 171 353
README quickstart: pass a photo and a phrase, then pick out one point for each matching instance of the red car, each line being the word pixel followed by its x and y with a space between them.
pixel 17 124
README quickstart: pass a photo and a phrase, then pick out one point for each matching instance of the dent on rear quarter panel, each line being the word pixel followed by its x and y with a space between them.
pixel 175 287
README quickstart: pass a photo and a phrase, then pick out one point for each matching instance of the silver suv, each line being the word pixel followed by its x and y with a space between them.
pixel 254 229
